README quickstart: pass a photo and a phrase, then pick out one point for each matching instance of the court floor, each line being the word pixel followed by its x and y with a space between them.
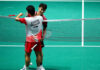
pixel 55 58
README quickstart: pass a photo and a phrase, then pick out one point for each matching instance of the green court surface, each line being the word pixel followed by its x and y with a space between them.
pixel 63 50
pixel 55 58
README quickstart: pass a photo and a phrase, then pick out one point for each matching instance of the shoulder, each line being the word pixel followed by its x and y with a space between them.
pixel 44 18
pixel 28 18
pixel 39 17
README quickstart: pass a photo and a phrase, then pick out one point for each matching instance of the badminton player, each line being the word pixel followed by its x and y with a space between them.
pixel 33 36
pixel 41 10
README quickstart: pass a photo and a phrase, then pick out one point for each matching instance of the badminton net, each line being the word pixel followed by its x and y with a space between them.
pixel 68 30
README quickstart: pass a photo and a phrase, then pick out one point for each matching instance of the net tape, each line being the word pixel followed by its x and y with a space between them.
pixel 57 20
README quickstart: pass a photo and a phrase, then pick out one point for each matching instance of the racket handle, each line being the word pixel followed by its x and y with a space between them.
pixel 11 15
pixel 34 46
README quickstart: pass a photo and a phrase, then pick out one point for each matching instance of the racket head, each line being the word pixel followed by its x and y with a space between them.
pixel 48 34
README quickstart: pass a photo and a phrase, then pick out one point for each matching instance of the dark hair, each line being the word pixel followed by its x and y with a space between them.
pixel 31 10
pixel 44 6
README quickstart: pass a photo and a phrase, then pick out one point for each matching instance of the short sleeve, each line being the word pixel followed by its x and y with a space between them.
pixel 22 20
pixel 44 23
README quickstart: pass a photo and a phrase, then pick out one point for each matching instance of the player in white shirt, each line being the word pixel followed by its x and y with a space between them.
pixel 33 36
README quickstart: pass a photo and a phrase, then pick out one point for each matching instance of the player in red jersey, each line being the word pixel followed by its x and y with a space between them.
pixel 41 10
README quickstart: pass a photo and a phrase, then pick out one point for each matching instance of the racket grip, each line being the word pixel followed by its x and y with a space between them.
pixel 11 15
pixel 34 46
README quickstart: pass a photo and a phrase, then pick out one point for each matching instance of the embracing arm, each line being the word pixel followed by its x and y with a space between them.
pixel 22 20
pixel 18 16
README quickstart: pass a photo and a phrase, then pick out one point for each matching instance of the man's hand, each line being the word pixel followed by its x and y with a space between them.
pixel 41 39
pixel 42 43
pixel 20 14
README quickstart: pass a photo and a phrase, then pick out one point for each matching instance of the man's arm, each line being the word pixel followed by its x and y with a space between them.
pixel 18 16
pixel 44 30
pixel 22 20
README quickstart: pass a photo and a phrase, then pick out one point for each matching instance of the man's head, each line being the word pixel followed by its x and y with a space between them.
pixel 31 10
pixel 42 8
